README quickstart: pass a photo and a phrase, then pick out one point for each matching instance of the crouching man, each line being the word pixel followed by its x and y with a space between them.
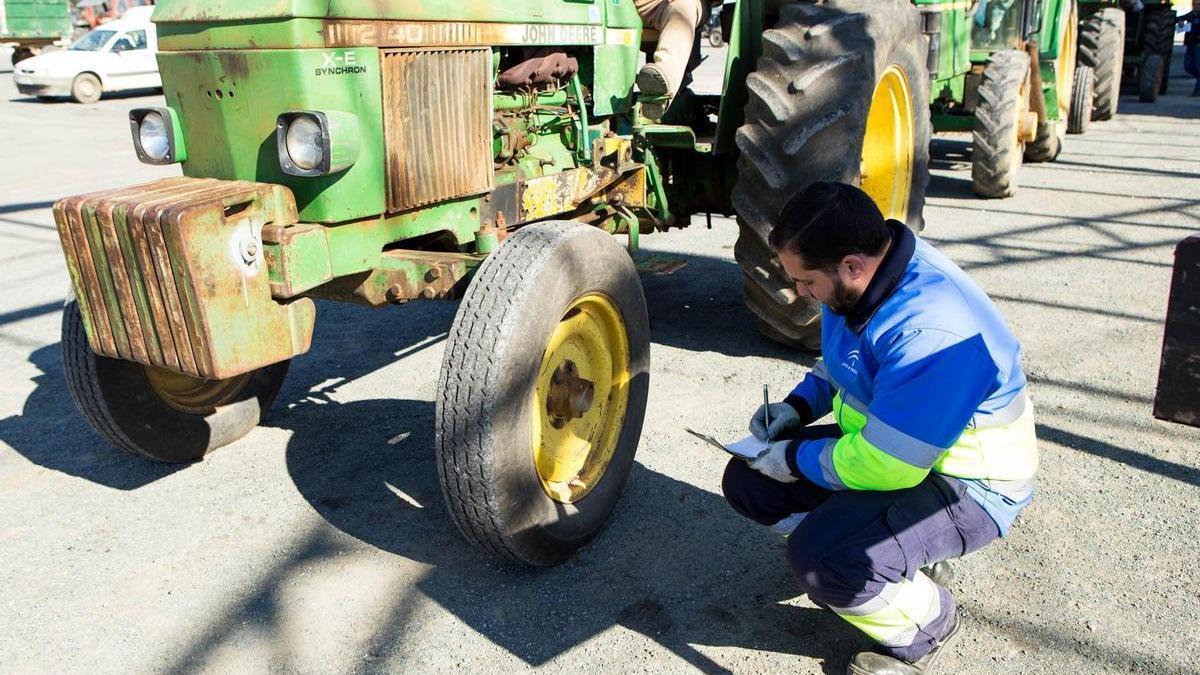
pixel 932 454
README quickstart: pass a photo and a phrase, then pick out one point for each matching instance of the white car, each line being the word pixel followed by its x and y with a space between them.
pixel 116 56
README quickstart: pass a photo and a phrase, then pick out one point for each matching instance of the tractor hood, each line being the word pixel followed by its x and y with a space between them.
pixel 506 11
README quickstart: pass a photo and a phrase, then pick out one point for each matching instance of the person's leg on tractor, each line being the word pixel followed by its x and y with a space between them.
pixel 676 22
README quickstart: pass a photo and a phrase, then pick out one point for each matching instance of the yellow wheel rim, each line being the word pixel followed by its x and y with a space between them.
pixel 887 160
pixel 582 392
pixel 192 395
pixel 1066 64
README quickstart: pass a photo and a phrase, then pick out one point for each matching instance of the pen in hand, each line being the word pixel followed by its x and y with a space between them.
pixel 767 412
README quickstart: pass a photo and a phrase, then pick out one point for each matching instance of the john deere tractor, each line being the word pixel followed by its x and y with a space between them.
pixel 387 153
pixel 1017 72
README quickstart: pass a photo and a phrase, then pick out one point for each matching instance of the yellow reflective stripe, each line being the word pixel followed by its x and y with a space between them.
pixel 862 466
pixel 1007 452
pixel 894 617
pixel 848 417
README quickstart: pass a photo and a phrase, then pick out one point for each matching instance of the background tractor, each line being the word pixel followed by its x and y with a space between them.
pixel 385 153
pixel 1128 45
pixel 1015 76
pixel 1149 41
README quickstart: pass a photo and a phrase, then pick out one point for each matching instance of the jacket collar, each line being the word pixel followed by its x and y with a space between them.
pixel 887 276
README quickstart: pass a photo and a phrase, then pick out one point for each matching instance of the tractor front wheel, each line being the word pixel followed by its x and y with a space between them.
pixel 542 392
pixel 841 92
pixel 156 413
pixel 997 144
pixel 1083 94
pixel 1150 78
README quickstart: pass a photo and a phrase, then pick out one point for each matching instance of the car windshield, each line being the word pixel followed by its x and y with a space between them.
pixel 93 41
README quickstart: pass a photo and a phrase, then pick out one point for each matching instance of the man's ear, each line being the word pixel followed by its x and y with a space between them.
pixel 854 266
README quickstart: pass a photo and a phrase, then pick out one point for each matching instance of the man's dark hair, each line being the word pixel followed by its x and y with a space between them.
pixel 826 222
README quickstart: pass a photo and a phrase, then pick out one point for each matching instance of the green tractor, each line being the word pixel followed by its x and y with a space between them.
pixel 1149 41
pixel 29 26
pixel 386 153
pixel 1016 74
pixel 1128 44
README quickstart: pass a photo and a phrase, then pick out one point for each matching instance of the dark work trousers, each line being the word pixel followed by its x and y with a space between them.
pixel 856 548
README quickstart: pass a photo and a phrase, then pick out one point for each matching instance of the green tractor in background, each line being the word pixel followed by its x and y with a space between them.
pixel 29 26
pixel 1128 45
pixel 385 153
pixel 1014 92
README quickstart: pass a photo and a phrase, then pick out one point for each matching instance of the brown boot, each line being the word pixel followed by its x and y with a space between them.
pixel 873 663
pixel 654 92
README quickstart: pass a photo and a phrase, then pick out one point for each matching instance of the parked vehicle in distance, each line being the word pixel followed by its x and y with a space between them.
pixel 29 26
pixel 117 56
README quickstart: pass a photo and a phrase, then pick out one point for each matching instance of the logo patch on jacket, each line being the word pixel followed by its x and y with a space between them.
pixel 850 363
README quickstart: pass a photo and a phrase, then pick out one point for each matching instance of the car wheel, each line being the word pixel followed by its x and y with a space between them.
pixel 86 88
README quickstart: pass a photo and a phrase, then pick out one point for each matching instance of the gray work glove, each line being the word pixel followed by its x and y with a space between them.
pixel 784 418
pixel 773 464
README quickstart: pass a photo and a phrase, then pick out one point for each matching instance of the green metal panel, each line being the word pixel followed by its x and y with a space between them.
pixel 745 46
pixel 34 19
pixel 228 102
pixel 500 11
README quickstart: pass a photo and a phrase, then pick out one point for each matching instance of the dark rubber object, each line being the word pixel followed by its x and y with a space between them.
pixel 1102 46
pixel 484 416
pixel 1153 72
pixel 805 121
pixel 117 401
pixel 995 159
pixel 1083 94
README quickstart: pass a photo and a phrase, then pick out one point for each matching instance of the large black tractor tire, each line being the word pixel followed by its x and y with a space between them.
pixel 1083 94
pixel 1158 37
pixel 497 458
pixel 120 403
pixel 1150 77
pixel 1102 47
pixel 996 146
pixel 806 121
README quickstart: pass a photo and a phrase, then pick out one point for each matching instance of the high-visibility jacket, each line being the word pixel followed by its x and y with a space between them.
pixel 922 375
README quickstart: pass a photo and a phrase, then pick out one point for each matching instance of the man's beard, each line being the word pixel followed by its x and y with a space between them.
pixel 844 298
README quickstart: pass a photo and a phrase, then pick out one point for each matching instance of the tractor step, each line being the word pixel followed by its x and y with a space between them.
pixel 658 264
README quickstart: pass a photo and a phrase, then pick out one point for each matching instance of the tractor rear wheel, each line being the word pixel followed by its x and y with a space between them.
pixel 542 392
pixel 1083 94
pixel 841 92
pixel 996 144
pixel 1102 46
pixel 155 413
pixel 1158 37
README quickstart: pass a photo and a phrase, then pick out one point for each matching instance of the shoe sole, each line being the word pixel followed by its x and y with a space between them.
pixel 651 82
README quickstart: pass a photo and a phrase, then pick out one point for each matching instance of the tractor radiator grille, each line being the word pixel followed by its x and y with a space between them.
pixel 437 124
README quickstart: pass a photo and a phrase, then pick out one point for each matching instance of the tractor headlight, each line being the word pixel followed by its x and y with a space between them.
pixel 313 143
pixel 157 138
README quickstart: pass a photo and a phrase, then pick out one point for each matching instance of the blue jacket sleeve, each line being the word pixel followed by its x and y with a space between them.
pixel 815 391
pixel 929 385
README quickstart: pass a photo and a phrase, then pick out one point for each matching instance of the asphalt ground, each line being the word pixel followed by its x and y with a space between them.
pixel 320 542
